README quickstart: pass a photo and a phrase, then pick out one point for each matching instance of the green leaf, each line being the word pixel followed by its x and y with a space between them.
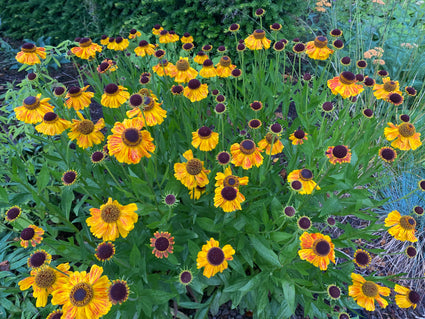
pixel 43 178
pixel 266 253
pixel 289 293
pixel 67 197
pixel 135 256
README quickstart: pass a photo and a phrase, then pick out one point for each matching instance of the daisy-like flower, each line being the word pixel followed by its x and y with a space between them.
pixel 365 293
pixel 256 106
pixel 147 110
pixel 336 33
pixel 105 251
pixel 192 173
pixel 144 48
pixel 298 137
pixel 165 37
pixel 228 198
pixel 112 220
pixel 30 54
pixel 162 244
pixel 405 135
pixel 246 154
pixel 234 27
pixel 157 29
pixel 317 249
pixel 121 44
pixel 188 47
pixel 345 85
pixel 107 65
pixel 98 157
pixel 86 132
pixel 271 144
pixel 185 72
pixel 305 177
pixel 38 259
pixel 195 91
pixel 186 38
pixel 223 158
pixel 402 227
pixel 44 281
pixel 129 143
pixel 228 179
pixel 338 154
pixel 104 39
pixel 362 258
pixel 32 234
pixel 114 95
pixel 13 213
pixel 59 91
pixel 196 193
pixel 78 98
pixel 406 297
pixel 275 27
pixel 318 49
pixel 86 49
pixel 387 154
pixel 185 277
pixel 214 258
pixel 225 67
pixel 200 57
pixel 134 34
pixel 257 40
pixel 33 109
pixel 52 124
pixel 177 89
pixel 334 292
pixel 204 139
pixel 165 68
pixel 56 314
pixel 118 291
pixel 69 177
pixel 382 91
pixel 208 70
pixel 111 43
pixel 83 295
pixel 410 90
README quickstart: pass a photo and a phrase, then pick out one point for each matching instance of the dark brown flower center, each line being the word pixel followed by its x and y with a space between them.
pixel 259 34
pixel 411 251
pixel 299 134
pixel 220 98
pixel 13 213
pixel 361 64
pixel 50 117
pixel 339 151
pixel 390 86
pixel 383 73
pixel 320 42
pixel 407 222
pixel 119 39
pixel 321 247
pixel 247 147
pixel 207 63
pixel 347 78
pixel 85 42
pixel 327 106
pixel 369 81
pixel 177 89
pixel 405 118
pixel 220 108
pixel 229 193
pixel 221 48
pixel 410 90
pixel 296 185
pixel 159 53
pixel 289 211
pixel 419 210
pixel 336 32
pixel 69 177
pixel 103 66
pixel 334 292
pixel 204 132
pixel 370 289
pixel 256 106
pixel 59 90
pixel 162 243
pixel 75 91
pixel 194 84
pixel 194 166
pixel 388 154
pixel 236 73
pixel 85 127
pixel 188 46
pixel 57 315
pixel 231 180
pixel 31 103
pixel 368 112
pixel 215 256
pixel 207 47
pixel 406 129
pixel 276 26
pixel 27 233
pixel 186 277
pixel 223 158
pixel 105 251
pixel 241 47
pixel 97 156
pixel 111 88
pixel 28 47
pixel 170 199
pixel 225 61
pixel 37 259
pixel 234 27
pixel 279 45
pixel 395 98
pixel 414 297
pixel 143 43
pixel 276 128
pixel 346 60
pixel 362 258
pixel 136 100
pixel 131 136
pixel 299 48
pixel 182 65
pixel 118 292
pixel 422 185
pixel 45 278
pixel 110 213
pixel 338 44
pixel 81 294
pixel 254 123
pixel 304 223
pixel 306 174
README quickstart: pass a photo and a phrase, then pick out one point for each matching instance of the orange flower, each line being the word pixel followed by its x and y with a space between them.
pixel 30 54
pixel 195 91
pixel 144 48
pixel 382 91
pixel 32 234
pixel 305 177
pixel 78 98
pixel 345 85
pixel 165 68
pixel 147 110
pixel 338 154
pixel 405 135
pixel 162 244
pixel 227 179
pixel 185 72
pixel 318 49
pixel 257 40
pixel 298 137
pixel 86 132
pixel 87 49
pixel 205 139
pixel 214 258
pixel 225 67
pixel 33 109
pixel 192 173
pixel 114 96
pixel 366 292
pixel 271 144
pixel 246 154
pixel 402 227
pixel 317 249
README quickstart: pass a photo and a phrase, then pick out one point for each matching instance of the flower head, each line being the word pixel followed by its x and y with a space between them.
pixel 192 172
pixel 305 177
pixel 162 244
pixel 77 98
pixel 30 54
pixel 318 49
pixel 257 40
pixel 317 249
pixel 118 292
pixel 404 135
pixel 246 154
pixel 105 251
pixel 146 109
pixel 362 258
pixel 86 132
pixel 13 213
pixel 214 258
pixel 185 72
pixel 271 144
pixel 382 91
pixel 225 67
pixel 33 109
pixel 298 137
pixel 402 227
pixel 185 277
pixel 228 198
pixel 365 293
pixel 387 154
pixel 38 259
pixel 204 139
pixel 345 85
pixel 208 70
pixel 406 297
pixel 32 234
pixel 114 95
pixel 338 154
pixel 52 124
pixel 195 91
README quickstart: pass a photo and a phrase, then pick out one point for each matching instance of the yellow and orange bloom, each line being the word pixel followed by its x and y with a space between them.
pixel 225 67
pixel 104 40
pixel 165 37
pixel 402 227
pixel 157 29
pixel 44 281
pixel 257 40
pixel 30 54
pixel 195 193
pixel 338 154
pixel 345 85
pixel 112 220
pixel 365 293
pixel 162 244
pixel 271 144
pixel 32 234
pixel 121 44
pixel 362 258
pixel 228 198
pixel 406 297
pixel 129 143
pixel 192 173
pixel 185 72
pixel 305 177
pixel 186 38
pixel 52 124
pixel 33 109
pixel 298 137
pixel 107 65
pixel 387 154
pixel 86 49
pixel 382 91
pixel 214 258
pixel 228 179
pixel 134 34
pixel 105 251
pixel 200 57
pixel 13 213
pixel 83 295
pixel 208 70
pixel 317 249
pixel 204 139
pixel 38 259
pixel 195 90
pixel 246 154
pixel 78 98
pixel 147 110
pixel 318 49
pixel 144 48
pixel 114 96
pixel 404 135
pixel 165 68
pixel 86 132
pixel 118 292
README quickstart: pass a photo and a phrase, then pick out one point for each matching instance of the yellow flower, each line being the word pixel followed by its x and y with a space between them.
pixel 44 281
pixel 246 154
pixel 162 244
pixel 204 139
pixel 257 40
pixel 362 258
pixel 195 193
pixel 30 54
pixel 165 37
pixel 382 91
pixel 165 68
pixel 118 292
pixel 195 91
pixel 192 173
pixel 225 67
pixel 185 73
pixel 13 213
pixel 78 98
pixel 228 179
pixel 87 49
pixel 147 110
pixel 86 132
pixel 200 57
pixel 405 135
pixel 345 85
pixel 52 124
pixel 33 109
pixel 305 176
pixel 144 48
pixel 214 258
pixel 366 292
pixel 121 44
pixel 338 154
pixel 208 70
pixel 186 38
pixel 134 34
pixel 157 29
pixel 298 137
pixel 405 297
pixel 317 249
pixel 32 234
pixel 129 143
pixel 83 295
pixel 228 198
pixel 318 49
pixel 112 220
pixel 38 259
pixel 402 227
pixel 114 96
pixel 271 143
